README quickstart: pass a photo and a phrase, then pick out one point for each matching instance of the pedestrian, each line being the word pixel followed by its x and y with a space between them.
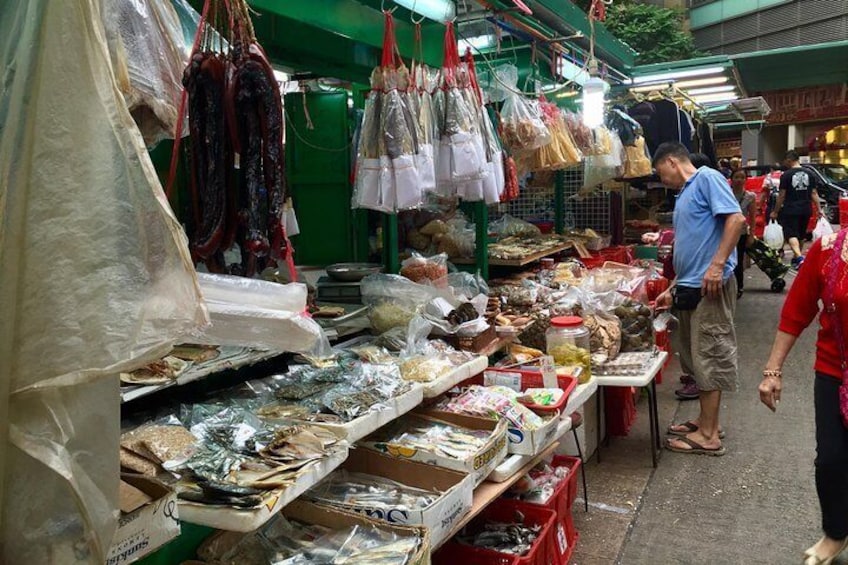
pixel 823 279
pixel 724 167
pixel 748 203
pixel 707 224
pixel 795 205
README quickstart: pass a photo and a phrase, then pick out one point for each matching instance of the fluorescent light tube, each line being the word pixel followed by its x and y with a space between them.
pixel 701 82
pixel 678 74
pixel 476 43
pixel 438 10
pixel 710 90
pixel 709 98
pixel 651 87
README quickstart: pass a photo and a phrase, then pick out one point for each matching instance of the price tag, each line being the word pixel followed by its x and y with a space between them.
pixel 549 376
pixel 509 380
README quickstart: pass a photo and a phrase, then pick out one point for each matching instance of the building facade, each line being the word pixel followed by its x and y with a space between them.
pixel 742 26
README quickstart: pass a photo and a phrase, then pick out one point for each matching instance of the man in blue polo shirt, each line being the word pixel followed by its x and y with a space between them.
pixel 707 225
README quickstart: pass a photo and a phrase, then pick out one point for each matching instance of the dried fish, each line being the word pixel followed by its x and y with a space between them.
pixel 361 490
pixel 195 353
pixel 514 539
pixel 414 434
pixel 159 372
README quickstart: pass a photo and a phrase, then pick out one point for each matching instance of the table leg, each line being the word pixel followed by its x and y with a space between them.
pixel 599 394
pixel 653 415
pixel 582 469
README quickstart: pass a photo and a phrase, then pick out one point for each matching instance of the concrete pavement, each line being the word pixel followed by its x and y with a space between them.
pixel 756 504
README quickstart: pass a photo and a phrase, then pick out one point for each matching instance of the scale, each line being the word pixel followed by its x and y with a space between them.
pixel 330 290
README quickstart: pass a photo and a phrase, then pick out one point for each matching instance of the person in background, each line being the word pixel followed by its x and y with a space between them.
pixel 707 225
pixel 795 205
pixel 699 160
pixel 748 203
pixel 724 168
pixel 821 285
pixel 735 163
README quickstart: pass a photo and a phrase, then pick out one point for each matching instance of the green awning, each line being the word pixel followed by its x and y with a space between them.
pixel 793 67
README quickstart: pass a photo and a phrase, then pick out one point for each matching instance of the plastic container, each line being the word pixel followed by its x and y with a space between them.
pixel 544 551
pixel 522 379
pixel 568 342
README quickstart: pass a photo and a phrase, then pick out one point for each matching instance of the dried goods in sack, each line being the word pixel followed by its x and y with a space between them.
pixel 522 125
pixel 495 181
pixel 461 160
pixel 422 85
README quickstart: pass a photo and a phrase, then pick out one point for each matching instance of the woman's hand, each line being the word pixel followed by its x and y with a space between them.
pixel 770 389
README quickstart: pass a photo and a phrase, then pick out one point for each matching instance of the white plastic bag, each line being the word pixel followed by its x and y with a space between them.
pixel 822 228
pixel 773 235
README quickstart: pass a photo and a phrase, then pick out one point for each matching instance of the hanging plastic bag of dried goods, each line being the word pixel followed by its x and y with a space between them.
pixel 637 162
pixel 398 126
pixel 149 51
pixel 95 279
pixel 493 183
pixel 422 85
pixel 460 157
pixel 373 168
pixel 582 135
pixel 561 152
pixel 522 125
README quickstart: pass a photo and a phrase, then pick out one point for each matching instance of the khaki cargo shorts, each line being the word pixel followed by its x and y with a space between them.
pixel 706 341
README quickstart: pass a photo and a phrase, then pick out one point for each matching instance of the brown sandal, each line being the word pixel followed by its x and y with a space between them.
pixel 691 427
pixel 694 447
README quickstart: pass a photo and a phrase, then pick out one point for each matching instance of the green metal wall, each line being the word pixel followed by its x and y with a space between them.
pixel 318 171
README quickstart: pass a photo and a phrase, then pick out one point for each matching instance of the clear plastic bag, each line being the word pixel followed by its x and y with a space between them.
pixel 508 226
pixel 149 51
pixel 822 228
pixel 75 170
pixel 522 124
pixel 425 270
pixel 637 162
pixel 393 300
pixel 773 235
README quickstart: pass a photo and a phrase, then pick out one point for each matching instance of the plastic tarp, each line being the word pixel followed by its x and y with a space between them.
pixel 95 278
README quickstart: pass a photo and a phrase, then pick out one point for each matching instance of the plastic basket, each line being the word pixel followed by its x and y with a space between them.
pixel 543 552
pixel 531 378
pixel 454 553
pixel 561 502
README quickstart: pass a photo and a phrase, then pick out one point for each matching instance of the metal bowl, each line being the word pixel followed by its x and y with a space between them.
pixel 353 272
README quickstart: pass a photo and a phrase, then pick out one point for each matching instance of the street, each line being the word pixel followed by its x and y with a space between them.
pixel 757 504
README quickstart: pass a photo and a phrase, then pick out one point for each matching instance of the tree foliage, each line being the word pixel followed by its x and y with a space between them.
pixel 657 34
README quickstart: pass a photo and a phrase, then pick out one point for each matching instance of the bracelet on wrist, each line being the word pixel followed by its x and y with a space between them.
pixel 773 373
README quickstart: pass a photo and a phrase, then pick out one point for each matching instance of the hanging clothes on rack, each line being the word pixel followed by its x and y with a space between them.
pixel 705 141
pixel 646 114
pixel 673 124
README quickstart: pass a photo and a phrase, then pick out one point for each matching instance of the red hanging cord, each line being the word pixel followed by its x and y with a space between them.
pixel 178 134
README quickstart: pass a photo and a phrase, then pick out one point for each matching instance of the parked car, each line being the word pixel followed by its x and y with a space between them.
pixel 833 185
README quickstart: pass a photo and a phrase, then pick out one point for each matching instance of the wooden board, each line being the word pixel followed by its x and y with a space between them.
pixel 516 262
pixel 487 492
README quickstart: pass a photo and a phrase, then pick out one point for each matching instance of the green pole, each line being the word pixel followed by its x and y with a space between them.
pixel 559 202
pixel 391 258
pixel 481 221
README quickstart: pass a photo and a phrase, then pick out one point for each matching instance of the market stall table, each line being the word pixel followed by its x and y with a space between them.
pixel 646 380
pixel 488 492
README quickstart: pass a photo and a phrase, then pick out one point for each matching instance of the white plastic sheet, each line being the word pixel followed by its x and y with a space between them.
pixel 95 278
pixel 257 313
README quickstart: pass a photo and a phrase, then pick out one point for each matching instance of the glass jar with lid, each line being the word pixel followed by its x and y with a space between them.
pixel 568 343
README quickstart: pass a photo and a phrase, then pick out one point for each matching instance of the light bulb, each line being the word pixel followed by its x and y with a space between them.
pixel 594 91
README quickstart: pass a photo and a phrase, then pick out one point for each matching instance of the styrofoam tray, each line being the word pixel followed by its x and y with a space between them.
pixel 248 519
pixel 512 464
pixel 360 427
pixel 461 373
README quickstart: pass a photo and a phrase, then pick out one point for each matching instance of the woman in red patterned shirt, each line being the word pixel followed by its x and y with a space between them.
pixel 823 279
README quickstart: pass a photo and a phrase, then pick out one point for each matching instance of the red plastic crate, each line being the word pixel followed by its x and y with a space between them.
pixel 454 553
pixel 543 552
pixel 565 534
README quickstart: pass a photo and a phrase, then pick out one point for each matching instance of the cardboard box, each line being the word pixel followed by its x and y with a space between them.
pixel 478 465
pixel 328 516
pixel 441 516
pixel 147 527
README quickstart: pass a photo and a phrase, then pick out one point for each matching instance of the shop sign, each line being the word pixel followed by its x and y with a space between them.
pixel 807 104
